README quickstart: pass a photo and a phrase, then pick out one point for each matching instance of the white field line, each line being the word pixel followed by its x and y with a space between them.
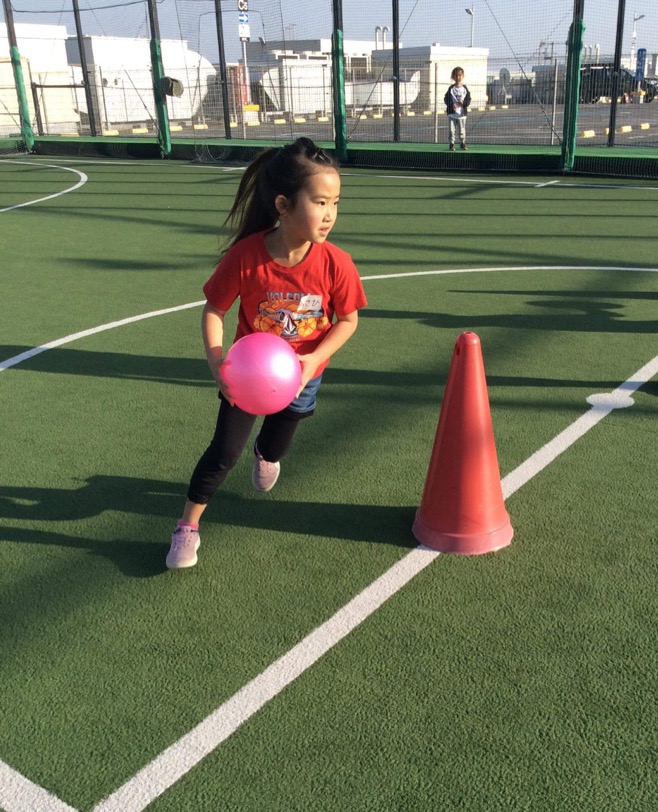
pixel 17 359
pixel 18 794
pixel 181 757
pixel 36 161
pixel 496 181
pixel 81 182
pixel 178 759
pixel 406 274
pixel 602 404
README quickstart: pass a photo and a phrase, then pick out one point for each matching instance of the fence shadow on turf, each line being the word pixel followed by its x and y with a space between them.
pixel 194 372
pixel 591 317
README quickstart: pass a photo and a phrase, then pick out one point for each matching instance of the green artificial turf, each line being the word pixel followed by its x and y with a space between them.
pixel 522 679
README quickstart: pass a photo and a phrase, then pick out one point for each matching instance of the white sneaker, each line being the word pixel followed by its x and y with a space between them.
pixel 184 543
pixel 264 474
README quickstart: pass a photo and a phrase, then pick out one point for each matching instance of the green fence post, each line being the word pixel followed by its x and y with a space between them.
pixel 338 82
pixel 164 133
pixel 23 109
pixel 572 87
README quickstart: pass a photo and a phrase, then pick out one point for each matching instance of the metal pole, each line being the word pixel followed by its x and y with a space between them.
pixel 555 77
pixel 85 70
pixel 324 92
pixel 37 109
pixel 621 10
pixel 436 102
pixel 222 69
pixel 396 70
pixel 471 12
pixel 240 112
pixel 105 118
pixel 636 17
pixel 246 73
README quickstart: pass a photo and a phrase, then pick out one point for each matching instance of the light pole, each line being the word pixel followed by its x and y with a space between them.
pixel 383 31
pixel 471 12
pixel 636 17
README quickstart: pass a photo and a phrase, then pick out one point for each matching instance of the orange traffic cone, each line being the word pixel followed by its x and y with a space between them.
pixel 462 509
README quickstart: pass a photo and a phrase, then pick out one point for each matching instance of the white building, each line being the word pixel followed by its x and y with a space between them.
pixel 435 63
pixel 121 80
pixel 43 61
pixel 295 76
pixel 123 86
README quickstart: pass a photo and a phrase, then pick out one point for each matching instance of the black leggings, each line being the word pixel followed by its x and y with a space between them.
pixel 231 434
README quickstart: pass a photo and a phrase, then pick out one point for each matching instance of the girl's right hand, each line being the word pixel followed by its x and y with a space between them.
pixel 220 380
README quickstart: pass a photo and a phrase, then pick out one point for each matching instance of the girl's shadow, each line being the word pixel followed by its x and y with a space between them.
pixel 142 558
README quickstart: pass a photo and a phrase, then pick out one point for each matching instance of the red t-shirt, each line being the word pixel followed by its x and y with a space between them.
pixel 295 303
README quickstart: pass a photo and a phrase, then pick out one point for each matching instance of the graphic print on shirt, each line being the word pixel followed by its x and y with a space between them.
pixel 292 316
pixel 458 96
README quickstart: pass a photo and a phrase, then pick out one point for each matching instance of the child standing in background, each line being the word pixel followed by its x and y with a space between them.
pixel 290 281
pixel 457 100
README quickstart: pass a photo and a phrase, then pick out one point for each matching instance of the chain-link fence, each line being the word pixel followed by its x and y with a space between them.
pixel 263 70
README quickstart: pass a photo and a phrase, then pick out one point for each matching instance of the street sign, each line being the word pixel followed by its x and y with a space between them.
pixel 243 32
pixel 243 18
pixel 640 64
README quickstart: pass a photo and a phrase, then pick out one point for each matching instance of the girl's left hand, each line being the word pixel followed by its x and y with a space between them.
pixel 309 366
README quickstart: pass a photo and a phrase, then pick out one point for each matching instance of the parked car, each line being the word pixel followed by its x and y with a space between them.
pixel 596 83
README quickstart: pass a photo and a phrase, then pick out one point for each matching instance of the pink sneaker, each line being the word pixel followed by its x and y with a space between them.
pixel 184 544
pixel 264 474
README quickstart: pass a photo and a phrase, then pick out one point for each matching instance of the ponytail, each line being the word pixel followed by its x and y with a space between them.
pixel 276 171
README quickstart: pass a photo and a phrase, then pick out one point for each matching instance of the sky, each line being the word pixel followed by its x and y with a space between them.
pixel 513 31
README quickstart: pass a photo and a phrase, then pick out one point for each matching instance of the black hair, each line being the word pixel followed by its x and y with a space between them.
pixel 277 171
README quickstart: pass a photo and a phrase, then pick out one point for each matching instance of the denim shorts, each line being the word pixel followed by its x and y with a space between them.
pixel 305 401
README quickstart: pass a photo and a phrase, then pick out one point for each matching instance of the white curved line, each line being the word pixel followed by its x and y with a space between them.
pixel 512 268
pixel 81 182
pixel 17 359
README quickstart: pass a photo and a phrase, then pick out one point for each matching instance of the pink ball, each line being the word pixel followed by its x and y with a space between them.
pixel 263 373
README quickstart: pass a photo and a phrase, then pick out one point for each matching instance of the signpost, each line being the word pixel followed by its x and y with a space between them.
pixel 245 36
pixel 640 64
